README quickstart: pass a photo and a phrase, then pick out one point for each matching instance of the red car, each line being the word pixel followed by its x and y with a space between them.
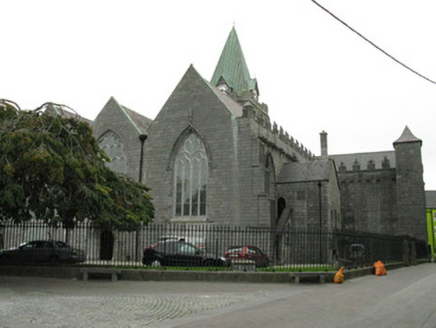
pixel 247 253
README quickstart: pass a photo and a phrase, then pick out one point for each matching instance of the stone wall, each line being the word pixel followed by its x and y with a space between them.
pixel 112 118
pixel 410 190
pixel 237 147
pixel 369 201
pixel 193 107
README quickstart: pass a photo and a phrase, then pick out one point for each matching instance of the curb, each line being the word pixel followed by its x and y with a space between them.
pixel 170 275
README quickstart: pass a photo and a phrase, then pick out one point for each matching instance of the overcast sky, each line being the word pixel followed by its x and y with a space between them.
pixel 313 73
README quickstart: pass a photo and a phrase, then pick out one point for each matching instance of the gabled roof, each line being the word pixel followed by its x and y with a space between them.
pixel 183 93
pixel 54 109
pixel 232 67
pixel 306 172
pixel 139 122
pixel 407 136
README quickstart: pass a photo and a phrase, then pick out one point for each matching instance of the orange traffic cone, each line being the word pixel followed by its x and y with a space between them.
pixel 339 277
pixel 380 269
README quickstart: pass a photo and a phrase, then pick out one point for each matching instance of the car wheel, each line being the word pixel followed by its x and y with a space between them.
pixel 4 259
pixel 209 263
pixel 54 259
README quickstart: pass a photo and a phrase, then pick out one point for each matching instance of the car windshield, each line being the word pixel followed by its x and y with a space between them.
pixel 28 245
pixel 61 244
pixel 167 247
pixel 235 250
pixel 189 249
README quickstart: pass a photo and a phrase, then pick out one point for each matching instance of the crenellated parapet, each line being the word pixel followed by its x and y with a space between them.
pixel 258 113
pixel 277 132
pixel 364 162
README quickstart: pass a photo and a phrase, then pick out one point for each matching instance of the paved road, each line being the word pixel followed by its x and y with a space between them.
pixel 404 298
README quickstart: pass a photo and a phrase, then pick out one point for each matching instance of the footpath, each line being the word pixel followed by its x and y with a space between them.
pixel 403 298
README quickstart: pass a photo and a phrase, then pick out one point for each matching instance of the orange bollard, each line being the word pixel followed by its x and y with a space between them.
pixel 380 269
pixel 339 277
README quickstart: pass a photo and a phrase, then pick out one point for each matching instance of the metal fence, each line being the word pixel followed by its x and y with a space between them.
pixel 302 249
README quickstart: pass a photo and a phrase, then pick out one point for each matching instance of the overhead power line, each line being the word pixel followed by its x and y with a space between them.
pixel 372 43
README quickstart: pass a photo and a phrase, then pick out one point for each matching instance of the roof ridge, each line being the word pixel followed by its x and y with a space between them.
pixel 123 109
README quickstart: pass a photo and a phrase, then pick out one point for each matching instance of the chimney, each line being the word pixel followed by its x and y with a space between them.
pixel 324 152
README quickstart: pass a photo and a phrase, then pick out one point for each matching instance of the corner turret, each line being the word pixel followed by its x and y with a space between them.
pixel 410 186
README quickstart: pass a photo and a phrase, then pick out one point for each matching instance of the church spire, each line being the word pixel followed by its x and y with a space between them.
pixel 232 71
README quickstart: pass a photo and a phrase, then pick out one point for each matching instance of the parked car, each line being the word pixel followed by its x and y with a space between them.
pixel 252 253
pixel 180 253
pixel 42 251
pixel 196 241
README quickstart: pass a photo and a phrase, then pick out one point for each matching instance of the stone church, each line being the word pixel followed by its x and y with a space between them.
pixel 212 156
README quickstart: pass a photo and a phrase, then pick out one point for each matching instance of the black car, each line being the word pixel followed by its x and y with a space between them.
pixel 42 251
pixel 180 253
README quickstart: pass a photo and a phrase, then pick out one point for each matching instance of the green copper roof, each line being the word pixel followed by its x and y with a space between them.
pixel 232 67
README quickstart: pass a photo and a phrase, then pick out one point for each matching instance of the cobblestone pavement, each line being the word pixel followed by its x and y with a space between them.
pixel 39 302
pixel 404 298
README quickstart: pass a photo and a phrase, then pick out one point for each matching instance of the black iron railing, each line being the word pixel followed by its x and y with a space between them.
pixel 291 249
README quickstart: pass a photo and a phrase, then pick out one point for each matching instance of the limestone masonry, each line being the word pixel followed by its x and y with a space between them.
pixel 212 156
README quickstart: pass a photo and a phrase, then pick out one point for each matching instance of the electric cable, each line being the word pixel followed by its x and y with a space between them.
pixel 373 44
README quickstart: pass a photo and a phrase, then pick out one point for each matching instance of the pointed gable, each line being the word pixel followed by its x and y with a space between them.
pixel 54 109
pixel 232 68
pixel 138 122
pixel 191 87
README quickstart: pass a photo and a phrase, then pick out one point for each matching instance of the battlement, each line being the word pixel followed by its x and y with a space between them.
pixel 364 162
pixel 260 116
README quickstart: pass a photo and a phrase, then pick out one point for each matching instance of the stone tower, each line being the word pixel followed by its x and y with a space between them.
pixel 410 186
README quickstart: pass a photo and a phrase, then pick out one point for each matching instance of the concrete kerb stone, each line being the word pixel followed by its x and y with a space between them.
pixel 61 272
pixel 171 275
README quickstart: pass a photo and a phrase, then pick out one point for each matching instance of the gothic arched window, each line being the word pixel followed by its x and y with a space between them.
pixel 190 178
pixel 114 149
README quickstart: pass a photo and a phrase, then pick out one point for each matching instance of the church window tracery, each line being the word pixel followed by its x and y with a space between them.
pixel 114 149
pixel 190 178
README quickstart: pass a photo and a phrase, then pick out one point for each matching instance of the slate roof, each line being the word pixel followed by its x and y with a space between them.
pixel 232 67
pixel 58 110
pixel 305 172
pixel 363 158
pixel 430 199
pixel 138 121
pixel 234 107
pixel 141 121
pixel 407 136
